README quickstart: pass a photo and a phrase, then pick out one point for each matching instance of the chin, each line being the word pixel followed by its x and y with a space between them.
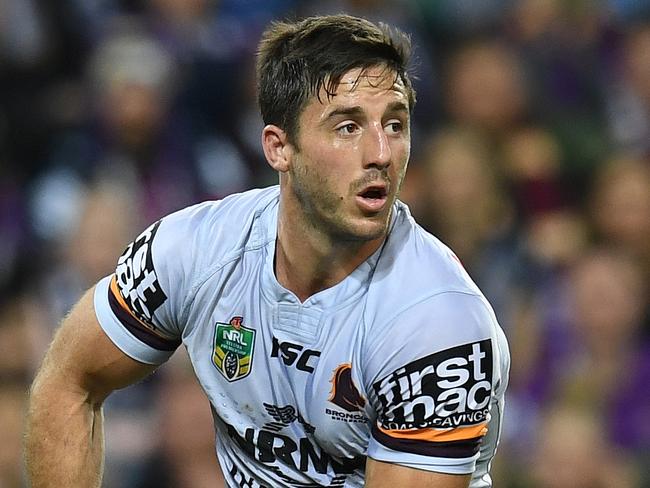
pixel 366 230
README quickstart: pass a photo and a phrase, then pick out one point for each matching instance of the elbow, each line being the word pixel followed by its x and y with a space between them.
pixel 51 388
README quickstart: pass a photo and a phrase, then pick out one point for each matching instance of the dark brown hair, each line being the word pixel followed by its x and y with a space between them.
pixel 298 59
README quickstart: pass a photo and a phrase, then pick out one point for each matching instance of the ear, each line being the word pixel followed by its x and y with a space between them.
pixel 277 148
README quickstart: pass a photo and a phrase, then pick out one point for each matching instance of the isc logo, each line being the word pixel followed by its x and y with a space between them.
pixel 445 389
pixel 294 353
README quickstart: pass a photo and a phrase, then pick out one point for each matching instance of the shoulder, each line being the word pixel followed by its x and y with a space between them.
pixel 238 208
pixel 231 212
pixel 156 276
pixel 209 231
pixel 421 300
pixel 414 266
pixel 178 251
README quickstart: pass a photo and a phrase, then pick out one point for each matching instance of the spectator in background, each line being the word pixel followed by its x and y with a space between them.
pixel 214 48
pixel 105 221
pixel 531 162
pixel 568 52
pixel 131 137
pixel 607 306
pixel 486 88
pixel 564 47
pixel 620 206
pixel 460 197
pixel 629 100
pixel 572 452
pixel 593 362
pixel 448 22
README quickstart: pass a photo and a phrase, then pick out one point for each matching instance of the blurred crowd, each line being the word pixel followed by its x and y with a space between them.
pixel 531 159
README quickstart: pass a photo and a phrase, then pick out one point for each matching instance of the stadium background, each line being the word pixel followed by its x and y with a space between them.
pixel 531 159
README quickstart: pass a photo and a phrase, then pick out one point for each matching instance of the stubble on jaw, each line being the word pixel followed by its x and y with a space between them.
pixel 324 210
pixel 314 196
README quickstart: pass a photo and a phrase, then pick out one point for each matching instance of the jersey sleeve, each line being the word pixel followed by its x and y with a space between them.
pixel 435 374
pixel 139 305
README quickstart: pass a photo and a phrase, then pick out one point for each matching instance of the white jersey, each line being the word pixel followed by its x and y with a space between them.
pixel 402 361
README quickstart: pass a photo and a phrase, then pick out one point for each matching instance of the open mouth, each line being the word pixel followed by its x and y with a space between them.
pixel 372 198
pixel 374 193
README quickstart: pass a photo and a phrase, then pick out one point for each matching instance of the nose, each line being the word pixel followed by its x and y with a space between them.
pixel 377 149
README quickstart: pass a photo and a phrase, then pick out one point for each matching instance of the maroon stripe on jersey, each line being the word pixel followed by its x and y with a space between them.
pixel 134 326
pixel 449 449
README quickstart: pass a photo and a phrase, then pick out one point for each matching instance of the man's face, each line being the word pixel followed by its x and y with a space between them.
pixel 351 155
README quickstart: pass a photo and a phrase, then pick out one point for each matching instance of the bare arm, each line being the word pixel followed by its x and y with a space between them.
pixel 64 444
pixel 386 475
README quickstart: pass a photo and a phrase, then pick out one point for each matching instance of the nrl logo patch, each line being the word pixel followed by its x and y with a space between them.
pixel 232 353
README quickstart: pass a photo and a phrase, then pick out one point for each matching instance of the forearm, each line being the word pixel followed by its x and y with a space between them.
pixel 64 440
pixel 386 475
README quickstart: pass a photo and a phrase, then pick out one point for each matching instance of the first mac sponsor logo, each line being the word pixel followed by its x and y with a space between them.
pixel 136 277
pixel 450 388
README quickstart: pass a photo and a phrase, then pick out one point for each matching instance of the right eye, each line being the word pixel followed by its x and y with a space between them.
pixel 347 129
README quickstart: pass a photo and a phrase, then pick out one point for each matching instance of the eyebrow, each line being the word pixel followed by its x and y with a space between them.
pixel 357 111
pixel 397 107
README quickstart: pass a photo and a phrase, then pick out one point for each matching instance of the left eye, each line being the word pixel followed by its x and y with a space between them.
pixel 394 126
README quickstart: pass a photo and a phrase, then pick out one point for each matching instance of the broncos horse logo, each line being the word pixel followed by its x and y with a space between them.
pixel 345 393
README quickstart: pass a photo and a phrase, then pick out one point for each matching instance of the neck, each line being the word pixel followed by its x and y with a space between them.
pixel 308 260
